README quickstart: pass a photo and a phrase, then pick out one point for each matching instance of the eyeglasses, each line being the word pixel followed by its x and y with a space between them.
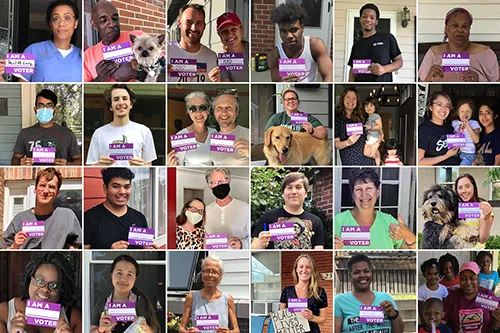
pixel 41 106
pixel 218 181
pixel 291 99
pixel 196 210
pixel 201 108
pixel 40 282
pixel 442 106
pixel 57 19
pixel 210 272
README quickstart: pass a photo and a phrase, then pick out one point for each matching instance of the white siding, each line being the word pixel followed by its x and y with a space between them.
pixel 236 280
pixel 10 125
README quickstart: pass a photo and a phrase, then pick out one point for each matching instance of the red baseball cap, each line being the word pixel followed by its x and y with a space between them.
pixel 226 18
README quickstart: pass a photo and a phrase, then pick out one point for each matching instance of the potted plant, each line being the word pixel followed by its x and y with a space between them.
pixel 493 178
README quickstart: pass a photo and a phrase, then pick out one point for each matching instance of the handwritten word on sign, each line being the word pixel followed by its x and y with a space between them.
pixel 285 321
pixel 19 63
pixel 231 62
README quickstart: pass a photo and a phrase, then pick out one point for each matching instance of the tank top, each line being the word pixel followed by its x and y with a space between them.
pixel 203 307
pixel 12 313
pixel 311 66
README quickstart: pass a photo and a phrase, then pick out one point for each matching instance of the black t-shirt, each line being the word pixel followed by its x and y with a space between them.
pixel 308 229
pixel 488 148
pixel 432 139
pixel 313 303
pixel 380 48
pixel 352 155
pixel 102 228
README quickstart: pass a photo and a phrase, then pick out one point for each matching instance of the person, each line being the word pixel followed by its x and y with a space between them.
pixel 463 124
pixel 120 99
pixel 461 311
pixel 107 225
pixel 351 147
pixel 210 300
pixel 487 278
pixel 448 271
pixel 47 134
pixel 385 231
pixel 291 103
pixel 374 128
pixel 226 215
pixel 483 65
pixel 124 274
pixel 488 151
pixel 198 110
pixel 61 226
pixel 432 132
pixel 431 288
pixel 380 47
pixel 191 22
pixel 58 52
pixel 306 285
pixel 347 305
pixel 230 31
pixel 432 315
pixel 290 17
pixel 309 230
pixel 190 231
pixel 391 155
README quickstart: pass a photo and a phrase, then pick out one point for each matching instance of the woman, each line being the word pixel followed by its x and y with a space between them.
pixel 432 132
pixel 483 65
pixel 461 312
pixel 348 111
pixel 385 231
pixel 198 109
pixel 190 229
pixel 306 285
pixel 210 300
pixel 488 152
pixel 48 277
pixel 57 59
pixel 347 305
pixel 124 274
pixel 448 271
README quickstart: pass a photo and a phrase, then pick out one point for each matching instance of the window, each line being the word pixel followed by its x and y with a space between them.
pixel 447 176
pixel 266 276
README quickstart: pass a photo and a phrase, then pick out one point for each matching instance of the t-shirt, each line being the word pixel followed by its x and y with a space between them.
pixel 232 219
pixel 488 281
pixel 282 118
pixel 347 307
pixel 103 228
pixel 432 139
pixel 424 293
pixel 132 132
pixel 201 155
pixel 470 146
pixel 451 285
pixel 61 229
pixel 379 231
pixel 234 158
pixel 314 304
pixel 238 76
pixel 308 229
pixel 351 155
pixel 372 122
pixel 56 136
pixel 441 328
pixel 380 48
pixel 488 147
pixel 206 60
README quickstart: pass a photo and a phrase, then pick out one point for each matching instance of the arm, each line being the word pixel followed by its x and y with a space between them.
pixel 232 316
pixel 338 324
pixel 16 159
pixel 272 63
pixel 397 325
pixel 320 132
pixel 437 159
pixel 319 247
pixel 377 126
pixel 320 54
pixel 352 78
pixel 346 143
pixel 497 159
pixel 76 321
pixel 321 318
pixel 283 306
pixel 396 64
pixel 86 247
pixel 474 133
pixel 186 314
pixel 76 160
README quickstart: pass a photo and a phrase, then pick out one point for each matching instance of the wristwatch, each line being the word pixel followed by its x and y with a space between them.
pixel 394 317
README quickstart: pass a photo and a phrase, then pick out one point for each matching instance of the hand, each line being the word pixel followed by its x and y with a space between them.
pixel 377 69
pixel 192 329
pixel 496 314
pixel 27 161
pixel 19 240
pixel 222 330
pixel 388 308
pixel 338 243
pixel 234 243
pixel 451 152
pixel 125 73
pixel 60 161
pixel 62 326
pixel 264 238
pixel 307 126
pixel 105 323
pixel 368 127
pixel 152 247
pixel 136 161
pixel 306 313
pixel 2 69
pixel 17 323
pixel 144 325
pixel 485 208
pixel 105 160
pixel 214 74
pixel 353 139
pixel 470 76
pixel 104 69
pixel 119 245
pixel 400 230
pixel 290 78
pixel 172 158
pixel 435 72
pixel 243 146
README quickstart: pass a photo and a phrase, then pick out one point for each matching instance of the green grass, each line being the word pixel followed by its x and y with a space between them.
pixel 399 297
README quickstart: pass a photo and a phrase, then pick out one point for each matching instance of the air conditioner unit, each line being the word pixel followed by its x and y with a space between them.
pixel 275 306
pixel 260 308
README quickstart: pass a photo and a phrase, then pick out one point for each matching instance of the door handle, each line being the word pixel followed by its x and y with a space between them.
pixel 329 5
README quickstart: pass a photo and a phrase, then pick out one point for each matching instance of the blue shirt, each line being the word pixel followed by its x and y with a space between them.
pixel 488 281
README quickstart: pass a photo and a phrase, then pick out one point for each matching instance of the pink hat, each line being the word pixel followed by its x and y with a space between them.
pixel 471 266
pixel 227 18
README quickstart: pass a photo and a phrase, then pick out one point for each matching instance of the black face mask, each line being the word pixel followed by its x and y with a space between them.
pixel 221 191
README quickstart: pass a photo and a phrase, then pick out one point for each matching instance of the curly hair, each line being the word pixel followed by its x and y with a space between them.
pixel 360 257
pixel 428 264
pixel 444 259
pixel 110 173
pixel 108 91
pixel 288 13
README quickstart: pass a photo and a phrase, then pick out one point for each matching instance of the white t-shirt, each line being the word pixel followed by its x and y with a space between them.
pixel 206 61
pixel 470 146
pixel 234 158
pixel 200 156
pixel 425 293
pixel 233 220
pixel 132 132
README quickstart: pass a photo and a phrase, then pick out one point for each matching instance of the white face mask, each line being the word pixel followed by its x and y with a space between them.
pixel 194 218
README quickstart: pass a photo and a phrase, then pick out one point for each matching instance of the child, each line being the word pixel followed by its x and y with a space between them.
pixel 374 127
pixel 448 270
pixel 431 289
pixel 462 124
pixel 431 317
pixel 487 278
pixel 391 154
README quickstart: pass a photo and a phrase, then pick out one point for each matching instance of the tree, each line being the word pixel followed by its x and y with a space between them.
pixel 69 104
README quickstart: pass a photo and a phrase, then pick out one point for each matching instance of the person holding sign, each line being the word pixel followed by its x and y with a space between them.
pixel 487 277
pixel 488 152
pixel 457 59
pixel 469 128
pixel 190 230
pixel 299 57
pixel 125 296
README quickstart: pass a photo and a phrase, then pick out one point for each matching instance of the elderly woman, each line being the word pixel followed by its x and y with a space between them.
pixel 210 301
pixel 483 64
pixel 461 312
pixel 190 231
pixel 385 231
pixel 347 305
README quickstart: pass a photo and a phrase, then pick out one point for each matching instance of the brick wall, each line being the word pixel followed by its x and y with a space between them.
pixel 23 173
pixel 323 193
pixel 324 264
pixel 148 16
pixel 262 28
pixel 2 198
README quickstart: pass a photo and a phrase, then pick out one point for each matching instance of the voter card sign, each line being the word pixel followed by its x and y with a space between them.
pixel 298 118
pixel 216 241
pixel 282 231
pixel 354 128
pixel 455 140
pixel 119 53
pixel 207 322
pixel 371 314
pixel 355 235
pixel 121 311
pixel 121 151
pixel 34 229
pixel 223 143
pixel 43 314
pixel 297 304
pixel 183 67
pixel 285 321
pixel 183 142
pixel 469 210
pixel 43 155
pixel 360 66
pixel 231 62
pixel 296 66
pixel 140 236
pixel 485 301
pixel 455 62
pixel 19 63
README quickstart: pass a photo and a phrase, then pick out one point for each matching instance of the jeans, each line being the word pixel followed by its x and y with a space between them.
pixel 467 158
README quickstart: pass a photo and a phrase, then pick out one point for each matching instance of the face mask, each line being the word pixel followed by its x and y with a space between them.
pixel 44 115
pixel 221 191
pixel 194 218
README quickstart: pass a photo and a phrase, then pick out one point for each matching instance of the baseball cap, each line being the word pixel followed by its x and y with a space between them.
pixel 370 6
pixel 471 266
pixel 227 18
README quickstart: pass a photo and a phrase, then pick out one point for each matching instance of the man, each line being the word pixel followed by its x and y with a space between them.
pixel 291 103
pixel 192 24
pixel 46 134
pixel 120 99
pixel 308 227
pixel 61 229
pixel 289 18
pixel 380 48
pixel 107 224
pixel 226 215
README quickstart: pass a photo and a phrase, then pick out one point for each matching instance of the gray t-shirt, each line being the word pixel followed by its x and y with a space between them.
pixel 60 226
pixel 371 121
pixel 238 76
pixel 203 307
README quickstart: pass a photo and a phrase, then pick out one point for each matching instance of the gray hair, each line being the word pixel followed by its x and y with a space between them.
pixel 230 91
pixel 194 94
pixel 218 260
pixel 225 171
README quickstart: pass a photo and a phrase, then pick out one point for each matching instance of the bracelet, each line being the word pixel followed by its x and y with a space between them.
pixel 411 244
pixel 397 313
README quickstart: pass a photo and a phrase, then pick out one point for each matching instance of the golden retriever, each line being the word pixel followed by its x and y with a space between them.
pixel 284 147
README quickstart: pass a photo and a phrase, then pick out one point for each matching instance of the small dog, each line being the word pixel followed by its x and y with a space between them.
pixel 284 147
pixel 147 55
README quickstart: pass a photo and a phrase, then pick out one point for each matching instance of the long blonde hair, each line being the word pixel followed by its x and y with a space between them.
pixel 313 290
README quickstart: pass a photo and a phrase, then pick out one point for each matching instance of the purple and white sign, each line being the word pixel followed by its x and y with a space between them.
pixel 34 229
pixel 43 314
pixel 455 61
pixel 183 142
pixel 182 67
pixel 121 151
pixel 455 140
pixel 371 314
pixel 297 304
pixel 207 322
pixel 298 118
pixel 121 311
pixel 360 66
pixel 282 231
pixel 119 53
pixel 43 155
pixel 355 235
pixel 216 241
pixel 222 142
pixel 469 210
pixel 231 62
pixel 141 236
pixel 485 301
pixel 354 128
pixel 19 63
pixel 293 66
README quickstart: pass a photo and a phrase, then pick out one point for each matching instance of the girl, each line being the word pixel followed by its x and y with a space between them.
pixel 448 270
pixel 462 124
pixel 391 155
pixel 374 127
pixel 190 229
pixel 431 288
pixel 487 278
pixel 488 152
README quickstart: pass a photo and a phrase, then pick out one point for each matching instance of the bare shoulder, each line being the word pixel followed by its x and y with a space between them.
pixel 4 313
pixel 477 48
pixel 317 44
pixel 273 54
pixel 438 49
